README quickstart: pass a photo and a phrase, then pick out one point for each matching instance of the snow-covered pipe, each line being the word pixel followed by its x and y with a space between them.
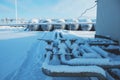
pixel 72 71
pixel 89 51
pixel 83 61
pixel 75 49
pixel 103 62
pixel 55 59
pixel 75 53
pixel 63 48
pixel 109 77
pixel 82 51
pixel 100 51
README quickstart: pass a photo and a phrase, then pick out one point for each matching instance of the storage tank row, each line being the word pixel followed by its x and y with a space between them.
pixel 66 24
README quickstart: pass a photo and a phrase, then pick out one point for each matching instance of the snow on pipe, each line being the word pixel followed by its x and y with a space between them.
pixel 100 51
pixel 114 74
pixel 74 71
pixel 83 61
pixel 59 34
pixel 50 42
pixel 74 47
pixel 103 62
pixel 109 77
pixel 87 51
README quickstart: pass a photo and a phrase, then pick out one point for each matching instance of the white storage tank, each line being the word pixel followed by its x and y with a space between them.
pixel 47 26
pixel 86 26
pixel 58 23
pixel 72 24
pixel 32 26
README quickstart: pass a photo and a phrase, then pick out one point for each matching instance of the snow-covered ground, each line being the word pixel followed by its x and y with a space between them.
pixel 11 29
pixel 14 48
pixel 21 53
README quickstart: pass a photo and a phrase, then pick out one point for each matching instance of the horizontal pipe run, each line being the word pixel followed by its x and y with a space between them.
pixel 72 71
pixel 103 62
pixel 20 24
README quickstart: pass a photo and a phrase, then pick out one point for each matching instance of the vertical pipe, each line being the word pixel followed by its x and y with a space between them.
pixel 16 13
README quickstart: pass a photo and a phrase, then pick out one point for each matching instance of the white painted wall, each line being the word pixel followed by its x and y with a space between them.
pixel 108 18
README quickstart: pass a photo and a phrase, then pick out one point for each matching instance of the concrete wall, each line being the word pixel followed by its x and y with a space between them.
pixel 108 18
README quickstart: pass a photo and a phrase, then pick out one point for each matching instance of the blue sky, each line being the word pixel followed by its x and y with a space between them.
pixel 47 8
